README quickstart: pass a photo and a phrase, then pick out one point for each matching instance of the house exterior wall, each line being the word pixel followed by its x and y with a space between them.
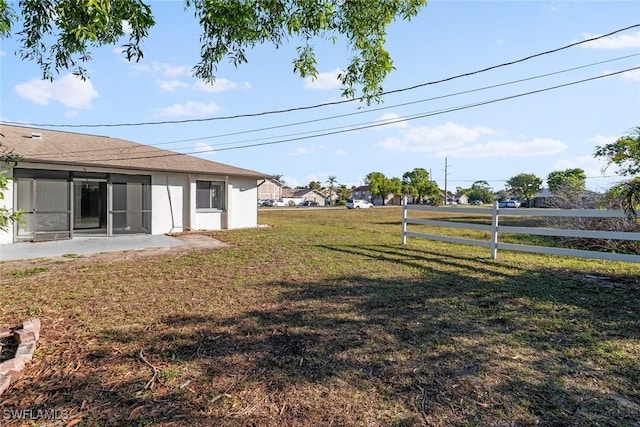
pixel 173 200
pixel 241 210
pixel 316 197
pixel 169 197
pixel 242 193
pixel 269 189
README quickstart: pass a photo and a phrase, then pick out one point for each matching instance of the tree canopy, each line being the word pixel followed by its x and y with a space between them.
pixel 525 185
pixel 567 186
pixel 418 183
pixel 480 190
pixel 380 185
pixel 58 34
pixel 624 152
pixel 573 179
pixel 314 185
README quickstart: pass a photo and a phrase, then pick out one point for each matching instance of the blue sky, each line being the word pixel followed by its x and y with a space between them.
pixel 538 133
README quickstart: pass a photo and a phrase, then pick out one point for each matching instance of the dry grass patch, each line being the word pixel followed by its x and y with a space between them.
pixel 324 319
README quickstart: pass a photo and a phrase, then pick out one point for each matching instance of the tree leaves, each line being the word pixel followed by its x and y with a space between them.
pixel 525 185
pixel 624 152
pixel 229 29
pixel 57 35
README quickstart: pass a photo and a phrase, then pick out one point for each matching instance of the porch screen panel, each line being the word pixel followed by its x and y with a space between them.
pixel 47 209
pixel 53 214
pixel 131 207
pixel 25 192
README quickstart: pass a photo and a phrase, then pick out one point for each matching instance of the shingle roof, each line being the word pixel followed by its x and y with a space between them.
pixel 68 148
pixel 298 192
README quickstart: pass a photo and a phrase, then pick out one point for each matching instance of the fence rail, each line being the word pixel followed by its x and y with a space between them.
pixel 495 228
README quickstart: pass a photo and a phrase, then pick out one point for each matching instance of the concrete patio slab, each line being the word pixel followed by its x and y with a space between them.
pixel 84 246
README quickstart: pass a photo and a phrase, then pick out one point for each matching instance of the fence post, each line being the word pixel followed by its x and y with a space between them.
pixel 404 220
pixel 494 230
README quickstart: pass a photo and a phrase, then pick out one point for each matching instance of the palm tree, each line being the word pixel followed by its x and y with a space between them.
pixel 331 181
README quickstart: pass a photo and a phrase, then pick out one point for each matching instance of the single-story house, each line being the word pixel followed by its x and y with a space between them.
pixel 71 184
pixel 545 198
pixel 298 196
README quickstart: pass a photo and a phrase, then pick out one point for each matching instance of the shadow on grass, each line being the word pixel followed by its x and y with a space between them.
pixel 461 344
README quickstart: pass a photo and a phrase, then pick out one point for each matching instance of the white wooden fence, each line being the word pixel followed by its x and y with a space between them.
pixel 495 228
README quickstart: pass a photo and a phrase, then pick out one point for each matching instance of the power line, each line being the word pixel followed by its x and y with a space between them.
pixel 326 104
pixel 248 131
pixel 401 119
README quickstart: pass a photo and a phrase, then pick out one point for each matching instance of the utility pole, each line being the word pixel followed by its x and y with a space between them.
pixel 446 195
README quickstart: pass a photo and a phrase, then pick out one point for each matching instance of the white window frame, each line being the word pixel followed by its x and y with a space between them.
pixel 216 202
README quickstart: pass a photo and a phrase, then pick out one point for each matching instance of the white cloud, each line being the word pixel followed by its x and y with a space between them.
pixel 340 152
pixel 220 85
pixel 435 139
pixel 323 81
pixel 591 166
pixel 3 53
pixel 69 90
pixel 291 181
pixel 204 148
pixel 313 177
pixel 395 121
pixel 169 75
pixel 633 75
pixel 126 27
pixel 188 109
pixel 623 41
pixel 301 151
pixel 170 85
pixel 165 69
pixel 602 139
pixel 454 140
pixel 535 147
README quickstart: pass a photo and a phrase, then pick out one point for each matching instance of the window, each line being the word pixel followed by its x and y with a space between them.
pixel 210 195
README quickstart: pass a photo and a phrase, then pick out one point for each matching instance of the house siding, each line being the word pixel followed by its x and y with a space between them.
pixel 269 189
pixel 173 200
pixel 241 202
pixel 169 198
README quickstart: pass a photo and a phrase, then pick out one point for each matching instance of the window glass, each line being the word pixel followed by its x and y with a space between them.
pixel 210 195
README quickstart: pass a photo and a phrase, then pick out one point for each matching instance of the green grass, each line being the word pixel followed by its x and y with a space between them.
pixel 325 318
pixel 28 272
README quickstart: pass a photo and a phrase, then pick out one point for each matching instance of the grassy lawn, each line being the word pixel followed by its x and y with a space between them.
pixel 322 319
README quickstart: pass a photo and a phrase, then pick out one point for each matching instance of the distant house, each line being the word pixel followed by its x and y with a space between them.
pixel 270 189
pixel 72 184
pixel 363 193
pixel 327 193
pixel 463 199
pixel 545 198
pixel 298 196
